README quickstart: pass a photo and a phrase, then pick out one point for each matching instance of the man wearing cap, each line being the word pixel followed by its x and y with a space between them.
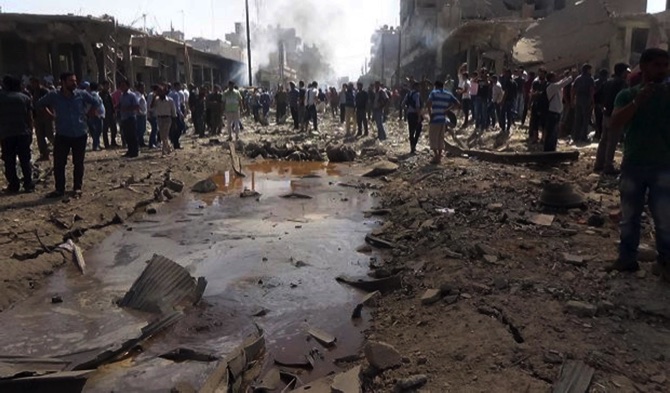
pixel 611 136
pixel 644 111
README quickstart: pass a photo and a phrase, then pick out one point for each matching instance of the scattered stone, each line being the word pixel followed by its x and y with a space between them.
pixel 421 360
pixel 568 276
pixel 167 194
pixel 56 299
pixel 151 210
pixel 466 296
pixel 174 185
pixel 260 313
pixel 575 260
pixel 348 382
pixel 372 299
pixel 247 193
pixel 325 339
pixel 364 249
pixel 431 296
pixel 495 207
pixel 544 220
pixel 646 254
pixel 446 289
pixel 605 307
pixel 552 357
pixel 581 309
pixel 382 356
pixel 659 379
pixel 501 283
pixel 596 221
pixel 411 383
pixel 483 249
pixel 357 313
pixel 204 186
pixel 452 299
pixel 341 153
pixel 641 274
pixel 491 259
pixel 382 169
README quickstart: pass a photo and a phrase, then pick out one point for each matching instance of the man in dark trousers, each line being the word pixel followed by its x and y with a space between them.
pixel 294 104
pixel 44 126
pixel 69 107
pixel 16 133
pixel 644 111
pixel 362 99
pixel 109 128
pixel 412 104
pixel 129 107
pixel 611 136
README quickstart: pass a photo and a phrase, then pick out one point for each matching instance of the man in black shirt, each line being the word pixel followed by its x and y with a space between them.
pixel 362 99
pixel 44 125
pixel 16 133
pixel 109 123
pixel 539 105
pixel 510 90
pixel 611 135
pixel 302 108
pixel 598 103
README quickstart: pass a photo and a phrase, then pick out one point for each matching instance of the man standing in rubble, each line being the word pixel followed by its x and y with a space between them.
pixel 350 108
pixel 233 104
pixel 16 134
pixel 611 136
pixel 302 106
pixel 362 99
pixel 129 109
pixel 555 108
pixel 312 99
pixel 68 107
pixel 439 102
pixel 109 127
pixel 413 106
pixel 539 106
pixel 381 100
pixel 644 111
pixel 583 91
pixel 294 104
pixel 281 101
pixel 44 126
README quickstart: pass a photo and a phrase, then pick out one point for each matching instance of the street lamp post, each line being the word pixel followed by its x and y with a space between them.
pixel 246 5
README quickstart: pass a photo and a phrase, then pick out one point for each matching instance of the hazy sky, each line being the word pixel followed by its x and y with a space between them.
pixel 353 21
pixel 346 25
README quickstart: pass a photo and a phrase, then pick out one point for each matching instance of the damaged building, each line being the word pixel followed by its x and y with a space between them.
pixel 99 49
pixel 440 35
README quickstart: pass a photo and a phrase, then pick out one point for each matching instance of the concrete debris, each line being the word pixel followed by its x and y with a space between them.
pixel 544 220
pixel 575 260
pixel 411 383
pixel 322 385
pixel 561 195
pixel 575 377
pixel 378 242
pixel 371 299
pixel 295 195
pixel 77 256
pixel 56 299
pixel 581 309
pixel 325 339
pixel 341 153
pixel 367 284
pixel 364 249
pixel 357 313
pixel 431 296
pixel 174 185
pixel 270 381
pixel 382 169
pixel 382 356
pixel 204 186
pixel 162 286
pixel 183 354
pixel 247 193
pixel 348 382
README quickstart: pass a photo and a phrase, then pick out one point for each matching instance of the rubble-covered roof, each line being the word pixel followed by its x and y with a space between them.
pixel 579 33
pixel 484 9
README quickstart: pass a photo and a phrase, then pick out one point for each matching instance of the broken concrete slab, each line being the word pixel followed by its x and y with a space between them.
pixel 581 309
pixel 411 383
pixel 324 338
pixel 204 186
pixel 544 220
pixel 575 377
pixel 322 385
pixel 295 195
pixel 367 284
pixel 183 354
pixel 270 381
pixel 382 169
pixel 378 242
pixel 431 296
pixel 575 260
pixel 162 286
pixel 174 185
pixel 341 153
pixel 382 356
pixel 347 382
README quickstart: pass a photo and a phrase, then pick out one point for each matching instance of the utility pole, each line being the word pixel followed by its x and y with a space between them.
pixel 251 80
pixel 397 71
pixel 383 56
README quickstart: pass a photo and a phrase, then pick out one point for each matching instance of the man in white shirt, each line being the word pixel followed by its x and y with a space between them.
pixel 165 111
pixel 311 101
pixel 142 115
pixel 466 98
pixel 497 95
pixel 555 98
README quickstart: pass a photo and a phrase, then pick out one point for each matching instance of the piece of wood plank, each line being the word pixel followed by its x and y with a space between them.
pixel 235 160
pixel 553 157
pixel 78 257
pixel 575 377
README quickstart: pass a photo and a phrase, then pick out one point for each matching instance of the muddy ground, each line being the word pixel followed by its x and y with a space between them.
pixel 502 320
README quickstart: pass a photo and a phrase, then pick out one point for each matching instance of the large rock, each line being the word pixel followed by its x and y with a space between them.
pixel 204 186
pixel 411 383
pixel 382 356
pixel 349 382
pixel 174 185
pixel 341 153
pixel 382 169
pixel 581 309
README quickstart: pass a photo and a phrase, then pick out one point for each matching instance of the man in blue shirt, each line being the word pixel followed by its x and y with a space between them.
pixel 439 101
pixel 178 125
pixel 68 107
pixel 129 107
pixel 412 103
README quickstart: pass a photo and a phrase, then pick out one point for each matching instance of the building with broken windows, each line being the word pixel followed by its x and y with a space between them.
pixel 99 49
pixel 440 35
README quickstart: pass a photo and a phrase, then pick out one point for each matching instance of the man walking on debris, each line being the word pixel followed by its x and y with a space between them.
pixel 165 111
pixel 215 106
pixel 343 101
pixel 381 99
pixel 439 101
pixel 611 136
pixel 555 108
pixel 362 98
pixel 507 109
pixel 350 108
pixel 68 107
pixel 312 99
pixel 302 108
pixel 645 112
pixel 582 92
pixel 109 127
pixel 539 106
pixel 412 103
pixel 281 101
pixel 16 134
pixel 233 104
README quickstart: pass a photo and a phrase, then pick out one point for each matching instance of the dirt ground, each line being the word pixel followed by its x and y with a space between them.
pixel 503 321
pixel 28 219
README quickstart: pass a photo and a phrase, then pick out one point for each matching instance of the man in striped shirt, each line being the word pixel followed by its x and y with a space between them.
pixel 439 101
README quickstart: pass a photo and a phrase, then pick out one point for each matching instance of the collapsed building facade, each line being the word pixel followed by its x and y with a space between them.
pixel 98 49
pixel 440 35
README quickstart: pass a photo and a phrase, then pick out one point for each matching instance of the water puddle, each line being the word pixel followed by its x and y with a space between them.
pixel 273 257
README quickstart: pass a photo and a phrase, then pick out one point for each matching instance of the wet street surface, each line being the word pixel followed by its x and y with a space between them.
pixel 268 260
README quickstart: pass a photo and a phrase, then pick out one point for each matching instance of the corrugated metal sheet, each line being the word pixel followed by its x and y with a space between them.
pixel 162 286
